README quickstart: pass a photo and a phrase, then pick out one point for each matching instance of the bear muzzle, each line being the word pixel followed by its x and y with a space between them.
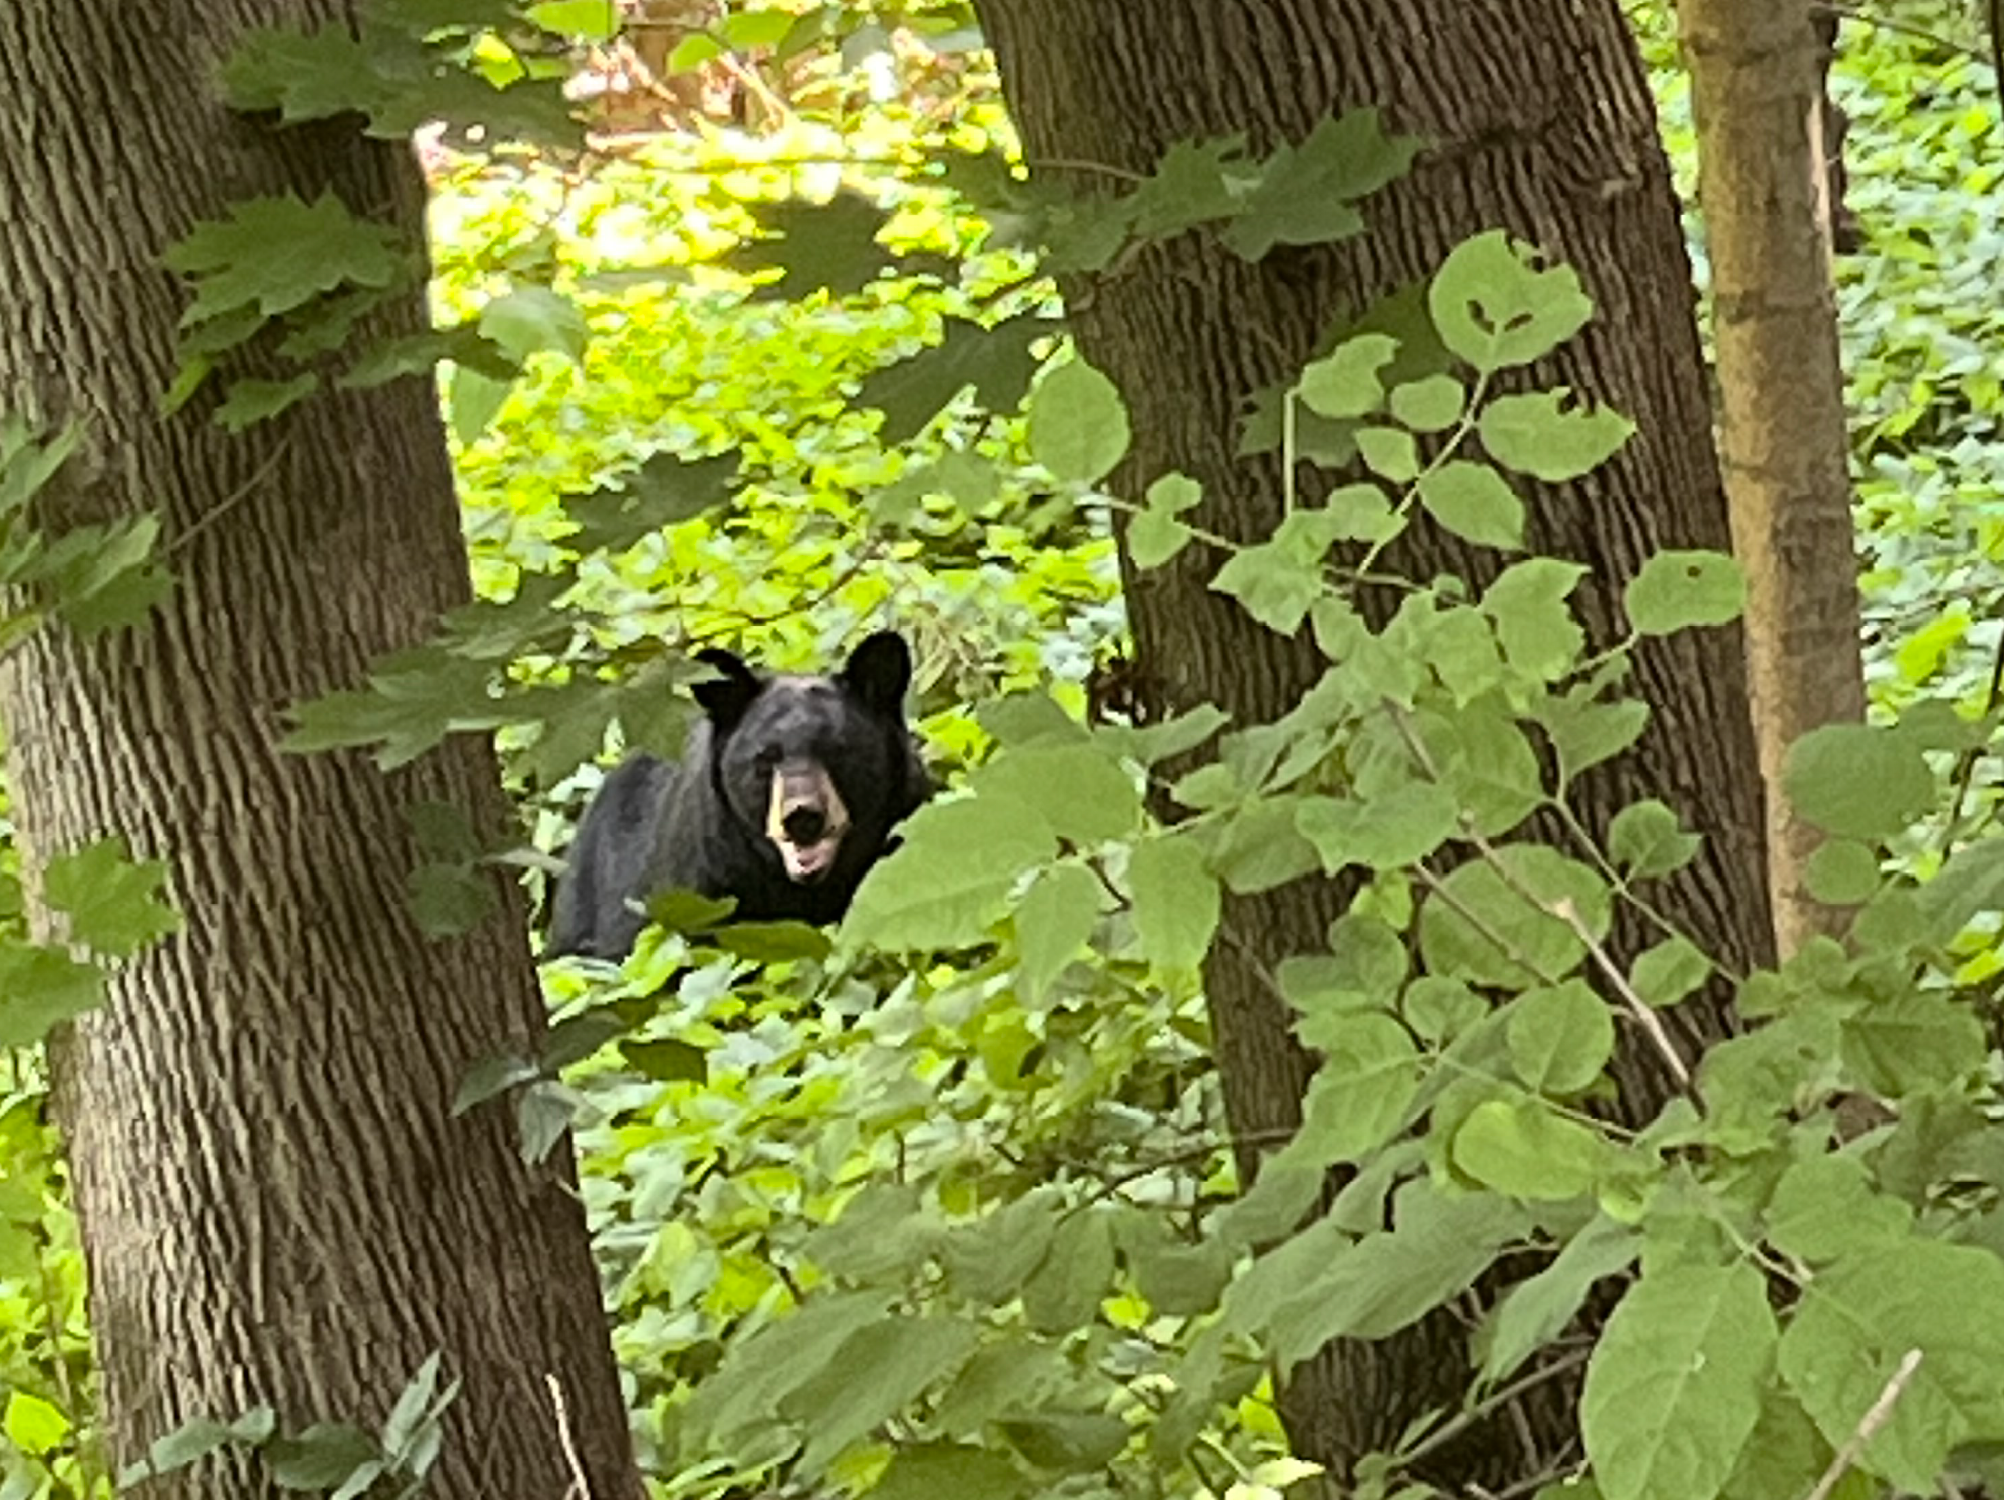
pixel 805 820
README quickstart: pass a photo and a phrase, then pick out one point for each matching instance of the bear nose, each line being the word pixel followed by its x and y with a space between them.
pixel 804 825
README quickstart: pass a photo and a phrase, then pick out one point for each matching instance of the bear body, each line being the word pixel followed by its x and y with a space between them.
pixel 785 796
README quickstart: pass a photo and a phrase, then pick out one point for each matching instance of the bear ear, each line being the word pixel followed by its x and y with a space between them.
pixel 879 671
pixel 726 696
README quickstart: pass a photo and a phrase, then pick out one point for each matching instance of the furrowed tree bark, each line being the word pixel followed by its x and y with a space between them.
pixel 277 1204
pixel 1541 123
pixel 1764 191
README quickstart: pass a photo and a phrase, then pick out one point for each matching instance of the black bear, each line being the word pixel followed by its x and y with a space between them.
pixel 785 797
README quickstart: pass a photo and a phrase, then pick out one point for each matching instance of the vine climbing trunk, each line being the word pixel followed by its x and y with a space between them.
pixel 1538 119
pixel 278 1205
pixel 1764 188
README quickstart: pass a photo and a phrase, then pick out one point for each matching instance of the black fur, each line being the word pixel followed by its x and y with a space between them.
pixel 703 825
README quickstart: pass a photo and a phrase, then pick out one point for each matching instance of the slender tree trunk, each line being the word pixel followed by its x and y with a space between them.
pixel 277 1205
pixel 1542 123
pixel 1764 188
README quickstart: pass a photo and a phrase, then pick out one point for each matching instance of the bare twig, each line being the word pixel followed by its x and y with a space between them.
pixel 1638 1008
pixel 1965 768
pixel 179 543
pixel 580 1487
pixel 1449 1431
pixel 1868 1426
pixel 1881 22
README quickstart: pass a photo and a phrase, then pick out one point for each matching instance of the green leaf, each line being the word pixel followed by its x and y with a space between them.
pixel 1787 1456
pixel 1390 453
pixel 1670 972
pixel 414 1406
pixel 535 320
pixel 473 400
pixel 1538 1310
pixel 1674 1389
pixel 106 577
pixel 878 1372
pixel 694 50
pixel 667 1060
pixel 252 401
pixel 1683 590
pixel 1440 1009
pixel 1518 1147
pixel 929 894
pixel 1646 841
pixel 1361 513
pixel 830 246
pixel 760 1371
pixel 115 904
pixel 1274 588
pixel 1389 830
pixel 1826 1208
pixel 1859 781
pixel 1584 732
pixel 1280 580
pixel 997 362
pixel 1076 1275
pixel 1176 902
pixel 887 1227
pixel 1496 926
pixel 666 490
pixel 926 1471
pixel 1913 1043
pixel 1537 434
pixel 1303 194
pixel 1345 383
pixel 1054 920
pixel 1031 718
pixel 757 28
pixel 449 899
pixel 1433 403
pixel 1474 502
pixel 1195 183
pixel 1843 873
pixel 1487 761
pixel 1534 623
pixel 277 254
pixel 195 1440
pixel 1560 1037
pixel 1363 1093
pixel 1155 536
pixel 1495 309
pixel 990 1259
pixel 1082 791
pixel 1970 883
pixel 1066 1442
pixel 1077 424
pixel 587 20
pixel 1151 744
pixel 323 1457
pixel 1308 1292
pixel 33 1425
pixel 1858 1319
pixel 774 942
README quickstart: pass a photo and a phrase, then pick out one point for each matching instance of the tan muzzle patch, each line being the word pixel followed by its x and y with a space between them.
pixel 805 819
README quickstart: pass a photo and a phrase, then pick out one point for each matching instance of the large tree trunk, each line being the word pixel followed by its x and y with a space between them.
pixel 277 1204
pixel 1765 190
pixel 1542 124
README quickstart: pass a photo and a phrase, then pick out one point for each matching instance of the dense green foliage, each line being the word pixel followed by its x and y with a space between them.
pixel 941 1203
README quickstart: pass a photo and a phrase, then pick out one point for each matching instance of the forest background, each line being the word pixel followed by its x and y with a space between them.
pixel 953 1201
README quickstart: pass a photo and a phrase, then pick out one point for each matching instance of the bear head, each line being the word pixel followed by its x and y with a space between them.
pixel 815 769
